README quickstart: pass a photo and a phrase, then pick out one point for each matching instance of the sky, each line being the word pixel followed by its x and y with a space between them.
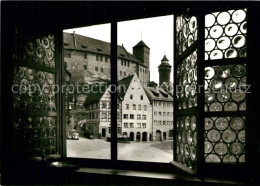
pixel 156 33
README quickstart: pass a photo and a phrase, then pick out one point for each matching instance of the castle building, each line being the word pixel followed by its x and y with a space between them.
pixel 164 71
pixel 88 59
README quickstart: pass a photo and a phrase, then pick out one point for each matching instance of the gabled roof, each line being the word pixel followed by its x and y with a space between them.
pixel 124 83
pixel 158 94
pixel 95 94
pixel 96 46
pixel 140 44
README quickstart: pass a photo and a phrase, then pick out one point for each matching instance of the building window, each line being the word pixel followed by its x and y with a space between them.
pixel 97 57
pixel 127 107
pixel 85 67
pixel 104 104
pixel 171 122
pixel 124 73
pixel 125 116
pixel 131 125
pixel 96 115
pixel 106 59
pixel 127 63
pixel 144 125
pixel 96 69
pixel 155 122
pixel 138 125
pixel 134 107
pixel 101 69
pixel 164 122
pixel 140 69
pixel 160 113
pixel 138 116
pixel 155 113
pixel 141 97
pixel 117 106
pixel 168 113
pixel 131 96
pixel 122 62
pixel 104 115
pixel 145 107
pixel 163 104
pixel 159 122
pixel 144 117
pixel 85 55
pixel 126 125
pixel 120 73
pixel 117 116
pixel 168 123
pixel 132 116
pixel 139 107
pixel 160 104
pixel 164 113
pixel 101 58
pixel 155 104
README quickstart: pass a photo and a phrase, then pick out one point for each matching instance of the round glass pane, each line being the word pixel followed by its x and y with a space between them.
pixel 212 158
pixel 239 70
pixel 231 29
pixel 192 153
pixel 221 148
pixel 187 150
pixel 242 83
pixel 229 136
pixel 242 106
pixel 208 123
pixel 216 84
pixel 209 72
pixel 237 123
pixel 223 96
pixel 242 158
pixel 237 148
pixel 50 78
pixel 190 40
pixel 29 74
pixel 231 53
pixel 189 137
pixel 193 24
pixel 216 31
pixel 215 107
pixel 195 138
pixel 242 136
pixel 243 52
pixel 238 96
pixel 238 16
pixel 216 54
pixel 229 158
pixel 208 147
pixel 223 18
pixel 213 135
pixel 221 123
pixel 193 123
pixel 206 33
pixel 209 20
pixel 230 106
pixel 190 76
pixel 206 85
pixel 243 27
pixel 239 41
pixel 209 97
pixel 209 44
pixel 231 83
pixel 223 72
pixel 187 122
pixel 183 136
pixel 223 43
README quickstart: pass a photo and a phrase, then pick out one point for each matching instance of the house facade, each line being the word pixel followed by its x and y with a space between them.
pixel 136 110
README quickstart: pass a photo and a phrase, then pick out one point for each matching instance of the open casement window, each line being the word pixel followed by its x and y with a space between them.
pixel 35 102
pixel 211 101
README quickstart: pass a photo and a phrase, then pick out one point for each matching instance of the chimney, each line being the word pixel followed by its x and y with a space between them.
pixel 74 39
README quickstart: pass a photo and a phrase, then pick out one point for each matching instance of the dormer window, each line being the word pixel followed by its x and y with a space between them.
pixel 98 49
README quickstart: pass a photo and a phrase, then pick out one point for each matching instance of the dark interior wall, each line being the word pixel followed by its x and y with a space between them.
pixel 21 19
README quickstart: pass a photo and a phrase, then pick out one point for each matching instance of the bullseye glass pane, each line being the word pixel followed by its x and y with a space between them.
pixel 186 35
pixel 225 34
pixel 224 140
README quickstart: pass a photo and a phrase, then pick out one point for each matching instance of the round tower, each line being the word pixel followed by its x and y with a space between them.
pixel 164 71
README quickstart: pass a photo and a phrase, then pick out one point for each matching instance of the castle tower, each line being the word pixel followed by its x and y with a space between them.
pixel 164 71
pixel 142 52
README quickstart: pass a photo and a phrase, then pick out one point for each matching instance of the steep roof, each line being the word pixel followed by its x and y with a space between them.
pixel 95 94
pixel 140 44
pixel 96 46
pixel 158 94
pixel 124 83
pixel 164 58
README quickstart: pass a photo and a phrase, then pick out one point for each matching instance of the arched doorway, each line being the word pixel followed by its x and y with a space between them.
pixel 103 132
pixel 171 133
pixel 125 134
pixel 164 135
pixel 158 135
pixel 132 135
pixel 138 136
pixel 144 136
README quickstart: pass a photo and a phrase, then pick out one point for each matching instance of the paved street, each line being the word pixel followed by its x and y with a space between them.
pixel 135 151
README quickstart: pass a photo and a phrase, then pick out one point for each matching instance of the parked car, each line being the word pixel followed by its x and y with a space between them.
pixel 73 134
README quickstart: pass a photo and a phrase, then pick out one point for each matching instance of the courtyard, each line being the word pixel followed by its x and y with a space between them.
pixel 133 151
